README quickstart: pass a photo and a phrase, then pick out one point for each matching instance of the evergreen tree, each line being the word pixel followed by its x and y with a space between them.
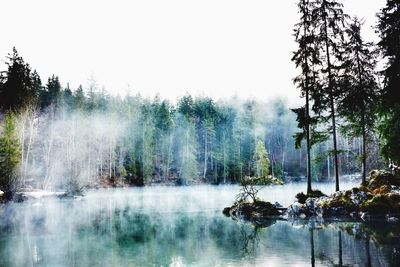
pixel 163 135
pixel 304 58
pixel 52 93
pixel 79 98
pixel 186 153
pixel 147 142
pixel 206 115
pixel 16 85
pixel 360 90
pixel 67 98
pixel 328 21
pixel 37 86
pixel 389 108
pixel 261 161
pixel 10 155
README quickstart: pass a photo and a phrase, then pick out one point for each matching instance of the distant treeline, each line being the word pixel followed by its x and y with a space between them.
pixel 87 135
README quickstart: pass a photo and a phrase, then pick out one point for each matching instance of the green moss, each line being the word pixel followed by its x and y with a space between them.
pixel 379 204
pixel 346 203
pixel 301 197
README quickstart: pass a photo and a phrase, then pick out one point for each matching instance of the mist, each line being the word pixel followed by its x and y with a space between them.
pixel 110 140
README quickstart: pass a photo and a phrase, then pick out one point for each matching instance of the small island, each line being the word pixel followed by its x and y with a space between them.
pixel 377 199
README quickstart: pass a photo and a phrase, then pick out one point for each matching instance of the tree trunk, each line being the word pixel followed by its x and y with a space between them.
pixel 332 107
pixel 205 154
pixel 312 247
pixel 364 152
pixel 224 159
pixel 309 189
pixel 364 134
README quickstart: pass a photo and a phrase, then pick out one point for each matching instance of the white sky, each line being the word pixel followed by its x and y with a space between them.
pixel 217 48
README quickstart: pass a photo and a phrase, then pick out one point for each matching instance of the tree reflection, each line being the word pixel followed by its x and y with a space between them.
pixel 312 247
pixel 368 252
pixel 250 239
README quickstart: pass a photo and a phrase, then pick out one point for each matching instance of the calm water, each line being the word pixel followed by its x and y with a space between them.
pixel 181 226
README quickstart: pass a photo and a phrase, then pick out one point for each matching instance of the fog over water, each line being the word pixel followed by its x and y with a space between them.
pixel 168 226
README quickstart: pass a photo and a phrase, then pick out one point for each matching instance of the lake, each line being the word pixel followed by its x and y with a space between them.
pixel 183 226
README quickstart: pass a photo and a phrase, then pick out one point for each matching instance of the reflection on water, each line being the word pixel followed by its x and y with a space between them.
pixel 180 227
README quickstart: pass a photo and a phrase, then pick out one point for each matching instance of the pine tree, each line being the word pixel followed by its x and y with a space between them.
pixel 51 94
pixel 389 108
pixel 328 21
pixel 261 161
pixel 79 98
pixel 10 155
pixel 359 87
pixel 16 85
pixel 305 57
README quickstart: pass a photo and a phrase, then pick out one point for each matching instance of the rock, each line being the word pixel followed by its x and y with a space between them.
pixel 302 216
pixel 310 203
pixel 256 211
pixel 384 189
pixel 302 198
pixel 339 211
pixel 378 179
pixel 365 216
pixel 278 205
pixel 295 209
pixel 227 211
pixel 354 215
pixel 392 219
pixel 358 197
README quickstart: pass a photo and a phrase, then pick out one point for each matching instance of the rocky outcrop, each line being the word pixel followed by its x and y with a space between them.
pixel 258 212
pixel 378 199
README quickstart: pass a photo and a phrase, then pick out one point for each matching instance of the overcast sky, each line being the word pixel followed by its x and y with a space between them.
pixel 217 48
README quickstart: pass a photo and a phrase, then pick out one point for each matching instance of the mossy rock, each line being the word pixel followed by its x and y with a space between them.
pixel 301 197
pixel 382 204
pixel 378 179
pixel 341 201
pixel 251 211
pixel 384 189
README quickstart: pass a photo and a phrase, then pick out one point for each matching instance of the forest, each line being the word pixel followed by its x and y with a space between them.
pixel 55 137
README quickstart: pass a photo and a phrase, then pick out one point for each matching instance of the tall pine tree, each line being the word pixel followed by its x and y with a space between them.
pixel 359 87
pixel 16 84
pixel 329 21
pixel 389 32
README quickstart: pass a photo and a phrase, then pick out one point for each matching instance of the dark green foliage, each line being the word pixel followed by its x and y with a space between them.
pixel 359 95
pixel 389 32
pixel 51 93
pixel 389 129
pixel 17 84
pixel 328 21
pixel 9 155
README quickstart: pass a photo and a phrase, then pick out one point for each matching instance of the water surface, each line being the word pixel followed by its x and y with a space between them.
pixel 182 226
